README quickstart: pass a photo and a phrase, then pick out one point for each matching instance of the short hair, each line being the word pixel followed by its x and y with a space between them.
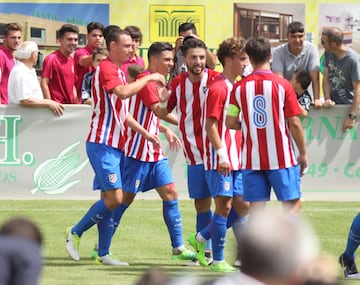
pixel 187 26
pixel 68 28
pixel 97 51
pixel 113 35
pixel 108 29
pixel 230 47
pixel 94 26
pixel 191 42
pixel 303 78
pixel 134 70
pixel 295 27
pixel 22 227
pixel 258 49
pixel 157 48
pixel 334 35
pixel 135 33
pixel 25 49
pixel 12 27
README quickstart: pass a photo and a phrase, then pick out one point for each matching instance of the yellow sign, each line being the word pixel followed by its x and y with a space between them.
pixel 166 19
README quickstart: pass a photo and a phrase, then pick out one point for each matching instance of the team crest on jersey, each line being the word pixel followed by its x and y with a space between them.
pixel 227 186
pixel 112 178
pixel 137 183
pixel 205 89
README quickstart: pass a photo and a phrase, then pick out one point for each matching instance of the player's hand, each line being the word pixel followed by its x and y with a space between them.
pixel 224 163
pixel 348 124
pixel 157 77
pixel 329 103
pixel 317 104
pixel 303 163
pixel 163 93
pixel 173 139
pixel 154 139
pixel 56 108
pixel 224 168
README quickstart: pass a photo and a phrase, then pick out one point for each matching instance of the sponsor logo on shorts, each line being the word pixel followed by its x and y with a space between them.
pixel 227 186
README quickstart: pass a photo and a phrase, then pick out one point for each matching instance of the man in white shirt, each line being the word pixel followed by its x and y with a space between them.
pixel 23 86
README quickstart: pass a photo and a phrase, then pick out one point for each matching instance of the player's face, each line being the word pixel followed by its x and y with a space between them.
pixel 95 39
pixel 68 43
pixel 164 62
pixel 12 40
pixel 239 62
pixel 98 58
pixel 195 60
pixel 124 48
pixel 296 42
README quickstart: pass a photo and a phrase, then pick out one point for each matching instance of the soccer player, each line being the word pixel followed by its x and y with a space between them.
pixel 105 143
pixel 222 157
pixel 188 95
pixel 269 119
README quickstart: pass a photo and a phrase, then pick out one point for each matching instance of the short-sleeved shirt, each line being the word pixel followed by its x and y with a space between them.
pixel 136 145
pixel 7 62
pixel 285 62
pixel 137 60
pixel 108 123
pixel 59 69
pixel 304 100
pixel 266 100
pixel 86 86
pixel 23 84
pixel 342 73
pixel 80 70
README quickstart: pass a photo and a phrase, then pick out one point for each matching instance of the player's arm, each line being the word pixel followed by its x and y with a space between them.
pixel 161 109
pixel 134 125
pixel 44 83
pixel 85 60
pixel 232 118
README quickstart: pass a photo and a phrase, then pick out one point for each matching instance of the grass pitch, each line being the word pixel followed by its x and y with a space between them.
pixel 142 238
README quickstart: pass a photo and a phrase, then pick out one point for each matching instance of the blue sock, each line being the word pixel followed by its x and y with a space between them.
pixel 105 231
pixel 173 222
pixel 236 222
pixel 232 218
pixel 218 236
pixel 202 221
pixel 93 216
pixel 353 241
pixel 117 214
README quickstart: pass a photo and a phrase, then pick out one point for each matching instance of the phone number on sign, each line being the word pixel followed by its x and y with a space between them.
pixel 350 170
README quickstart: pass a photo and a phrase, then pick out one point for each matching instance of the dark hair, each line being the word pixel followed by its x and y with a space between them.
pixel 258 49
pixel 12 27
pixel 23 228
pixel 108 29
pixel 113 36
pixel 230 47
pixel 295 27
pixel 187 26
pixel 303 78
pixel 68 28
pixel 97 51
pixel 94 26
pixel 134 70
pixel 135 33
pixel 191 42
pixel 157 48
pixel 334 35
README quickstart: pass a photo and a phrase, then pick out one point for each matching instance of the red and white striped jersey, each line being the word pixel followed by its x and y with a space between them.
pixel 108 122
pixel 266 101
pixel 216 106
pixel 189 100
pixel 136 146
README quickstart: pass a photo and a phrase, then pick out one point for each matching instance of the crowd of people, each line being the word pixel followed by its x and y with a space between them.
pixel 236 130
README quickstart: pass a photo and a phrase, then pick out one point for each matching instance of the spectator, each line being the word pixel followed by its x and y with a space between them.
pixel 298 54
pixel 57 77
pixel 11 41
pixel 136 36
pixel 341 81
pixel 83 58
pixel 300 81
pixel 98 55
pixel 20 252
pixel 24 87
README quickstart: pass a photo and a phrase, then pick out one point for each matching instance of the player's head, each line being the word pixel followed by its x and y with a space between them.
pixel 133 71
pixel 68 38
pixel 194 52
pixel 161 58
pixel 12 36
pixel 258 50
pixel 98 55
pixel 302 78
pixel 119 45
pixel 135 34
pixel 95 34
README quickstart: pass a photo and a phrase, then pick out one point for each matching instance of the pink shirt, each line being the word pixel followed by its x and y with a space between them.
pixel 266 101
pixel 109 114
pixel 189 100
pixel 7 62
pixel 80 70
pixel 216 105
pixel 137 60
pixel 60 72
pixel 136 146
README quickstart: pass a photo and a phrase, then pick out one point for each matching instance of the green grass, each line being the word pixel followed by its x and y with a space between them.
pixel 142 238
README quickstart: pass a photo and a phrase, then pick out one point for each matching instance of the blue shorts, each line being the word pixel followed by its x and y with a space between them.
pixel 228 186
pixel 141 176
pixel 106 162
pixel 285 182
pixel 197 186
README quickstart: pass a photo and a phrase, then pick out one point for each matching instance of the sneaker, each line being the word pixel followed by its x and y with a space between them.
pixel 184 255
pixel 95 252
pixel 222 266
pixel 72 244
pixel 110 260
pixel 199 249
pixel 349 266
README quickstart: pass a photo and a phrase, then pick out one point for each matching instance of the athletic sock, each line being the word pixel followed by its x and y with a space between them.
pixel 218 236
pixel 173 222
pixel 353 241
pixel 105 231
pixel 202 221
pixel 94 215
pixel 117 214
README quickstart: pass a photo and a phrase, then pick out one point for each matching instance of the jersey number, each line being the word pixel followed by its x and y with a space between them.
pixel 259 115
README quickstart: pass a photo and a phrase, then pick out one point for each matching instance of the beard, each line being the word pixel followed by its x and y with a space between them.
pixel 196 69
